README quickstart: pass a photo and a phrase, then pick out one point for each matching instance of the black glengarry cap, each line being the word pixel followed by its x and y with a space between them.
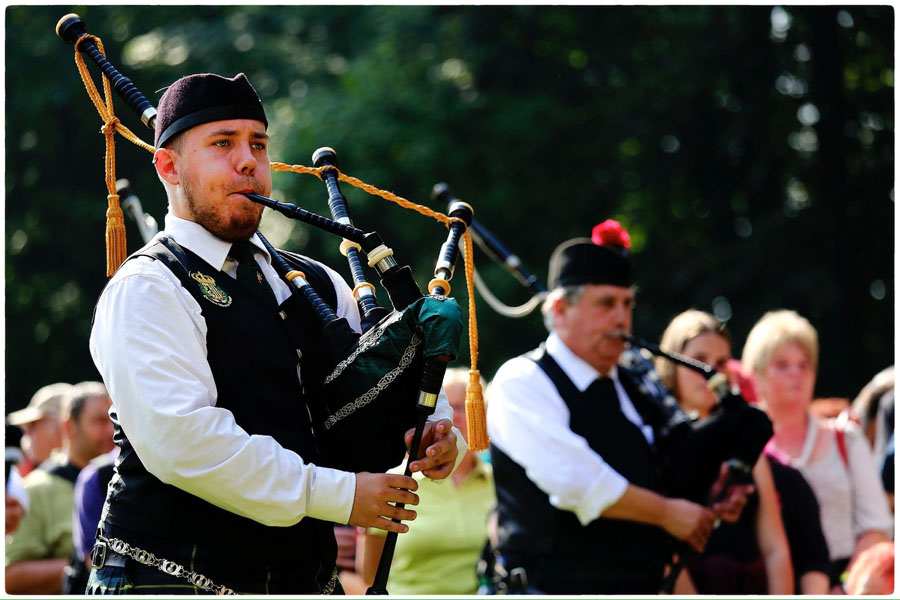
pixel 601 259
pixel 203 98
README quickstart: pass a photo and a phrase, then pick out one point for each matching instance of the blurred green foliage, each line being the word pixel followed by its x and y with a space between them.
pixel 749 150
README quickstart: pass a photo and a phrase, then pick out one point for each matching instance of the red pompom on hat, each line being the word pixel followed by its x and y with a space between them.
pixel 601 259
pixel 610 233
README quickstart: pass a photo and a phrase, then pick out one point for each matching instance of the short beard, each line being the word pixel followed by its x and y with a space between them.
pixel 238 227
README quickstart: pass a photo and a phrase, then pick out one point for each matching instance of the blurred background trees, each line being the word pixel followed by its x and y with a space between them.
pixel 749 150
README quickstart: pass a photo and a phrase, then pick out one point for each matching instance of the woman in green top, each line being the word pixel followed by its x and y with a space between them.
pixel 438 554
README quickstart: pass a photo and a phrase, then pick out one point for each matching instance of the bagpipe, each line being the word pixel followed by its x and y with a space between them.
pixel 375 384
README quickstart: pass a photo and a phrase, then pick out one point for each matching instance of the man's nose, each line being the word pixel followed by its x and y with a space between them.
pixel 245 161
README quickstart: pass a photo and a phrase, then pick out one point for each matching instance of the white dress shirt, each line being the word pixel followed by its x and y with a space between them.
pixel 149 344
pixel 529 421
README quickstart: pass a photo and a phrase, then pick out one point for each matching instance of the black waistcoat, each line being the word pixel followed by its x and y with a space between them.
pixel 545 539
pixel 253 354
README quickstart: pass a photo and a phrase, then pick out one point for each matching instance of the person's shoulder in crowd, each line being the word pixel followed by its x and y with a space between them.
pixel 46 529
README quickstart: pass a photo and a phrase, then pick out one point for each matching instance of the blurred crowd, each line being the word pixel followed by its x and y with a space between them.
pixel 819 519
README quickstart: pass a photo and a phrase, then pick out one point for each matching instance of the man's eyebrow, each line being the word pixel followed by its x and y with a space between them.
pixel 232 132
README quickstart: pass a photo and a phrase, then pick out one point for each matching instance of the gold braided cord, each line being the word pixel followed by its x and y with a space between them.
pixel 370 189
pixel 116 246
pixel 470 290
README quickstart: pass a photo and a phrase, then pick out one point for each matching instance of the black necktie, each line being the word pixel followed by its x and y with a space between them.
pixel 604 390
pixel 249 275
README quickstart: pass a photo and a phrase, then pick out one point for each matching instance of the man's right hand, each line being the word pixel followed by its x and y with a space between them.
pixel 373 493
pixel 688 521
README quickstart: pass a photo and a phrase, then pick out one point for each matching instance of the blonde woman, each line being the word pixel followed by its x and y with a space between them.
pixel 752 555
pixel 782 353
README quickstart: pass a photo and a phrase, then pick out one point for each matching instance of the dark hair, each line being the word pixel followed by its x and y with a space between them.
pixel 81 392
pixel 176 142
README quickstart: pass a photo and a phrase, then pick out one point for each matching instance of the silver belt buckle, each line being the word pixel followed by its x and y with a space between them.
pixel 98 555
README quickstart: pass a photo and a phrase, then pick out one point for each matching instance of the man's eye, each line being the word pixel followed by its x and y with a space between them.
pixel 220 143
pixel 259 146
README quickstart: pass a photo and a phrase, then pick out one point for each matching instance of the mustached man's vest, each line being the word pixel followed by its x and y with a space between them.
pixel 255 355
pixel 559 554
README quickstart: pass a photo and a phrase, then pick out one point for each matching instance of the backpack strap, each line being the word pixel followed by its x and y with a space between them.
pixel 839 423
pixel 842 446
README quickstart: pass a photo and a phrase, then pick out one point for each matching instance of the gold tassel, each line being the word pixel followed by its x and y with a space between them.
pixel 475 415
pixel 116 248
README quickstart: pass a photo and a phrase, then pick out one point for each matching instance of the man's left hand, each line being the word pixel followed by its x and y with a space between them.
pixel 439 456
pixel 730 507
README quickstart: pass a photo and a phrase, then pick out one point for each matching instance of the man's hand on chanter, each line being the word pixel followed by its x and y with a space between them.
pixel 729 508
pixel 374 492
pixel 688 521
pixel 439 456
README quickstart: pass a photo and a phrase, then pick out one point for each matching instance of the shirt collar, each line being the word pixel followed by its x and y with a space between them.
pixel 201 242
pixel 578 370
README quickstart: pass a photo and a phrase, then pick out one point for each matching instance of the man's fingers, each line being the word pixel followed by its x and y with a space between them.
pixel 388 525
pixel 440 471
pixel 433 459
pixel 443 450
pixel 402 496
pixel 401 482
pixel 701 534
pixel 402 514
pixel 428 436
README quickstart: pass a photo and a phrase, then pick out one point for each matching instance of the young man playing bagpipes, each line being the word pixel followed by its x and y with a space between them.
pixel 218 487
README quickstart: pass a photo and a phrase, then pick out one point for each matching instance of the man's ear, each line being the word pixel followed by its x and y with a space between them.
pixel 68 428
pixel 560 304
pixel 164 162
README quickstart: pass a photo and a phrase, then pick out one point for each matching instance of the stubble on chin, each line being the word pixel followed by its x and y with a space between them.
pixel 231 226
pixel 240 227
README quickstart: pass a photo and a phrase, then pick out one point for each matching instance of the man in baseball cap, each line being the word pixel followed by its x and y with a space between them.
pixel 40 424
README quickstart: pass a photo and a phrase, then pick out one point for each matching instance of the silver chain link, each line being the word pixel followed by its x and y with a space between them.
pixel 172 568
pixel 166 566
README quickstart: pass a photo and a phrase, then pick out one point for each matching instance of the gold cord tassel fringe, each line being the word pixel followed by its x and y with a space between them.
pixel 116 249
pixel 476 419
pixel 475 414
